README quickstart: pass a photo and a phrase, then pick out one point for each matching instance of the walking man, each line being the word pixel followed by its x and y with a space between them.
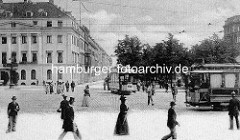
pixel 63 106
pixel 67 86
pixel 172 122
pixel 68 122
pixel 12 112
pixel 233 110
pixel 72 86
pixel 150 94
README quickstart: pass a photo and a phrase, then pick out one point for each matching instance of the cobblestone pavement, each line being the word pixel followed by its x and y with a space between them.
pixel 35 100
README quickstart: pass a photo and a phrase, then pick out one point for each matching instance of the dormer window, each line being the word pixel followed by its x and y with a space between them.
pixel 8 14
pixel 29 14
pixel 42 12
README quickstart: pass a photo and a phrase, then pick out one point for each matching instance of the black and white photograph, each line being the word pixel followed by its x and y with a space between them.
pixel 119 69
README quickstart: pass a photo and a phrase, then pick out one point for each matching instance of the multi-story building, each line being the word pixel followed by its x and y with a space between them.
pixel 232 29
pixel 42 39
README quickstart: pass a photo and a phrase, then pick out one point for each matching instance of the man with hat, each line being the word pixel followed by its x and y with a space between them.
pixel 63 106
pixel 12 112
pixel 233 110
pixel 172 122
pixel 68 122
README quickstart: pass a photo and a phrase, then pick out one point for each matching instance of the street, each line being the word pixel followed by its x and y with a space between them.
pixel 39 120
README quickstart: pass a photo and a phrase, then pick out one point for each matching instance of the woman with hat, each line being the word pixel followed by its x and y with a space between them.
pixel 121 127
pixel 86 97
pixel 172 122
pixel 68 122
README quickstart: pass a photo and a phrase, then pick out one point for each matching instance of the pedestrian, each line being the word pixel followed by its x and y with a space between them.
pixel 172 122
pixel 174 92
pixel 63 106
pixel 12 112
pixel 86 97
pixel 59 87
pixel 47 88
pixel 62 87
pixel 68 122
pixel 166 86
pixel 143 86
pixel 138 85
pixel 72 86
pixel 67 86
pixel 150 94
pixel 121 127
pixel 51 87
pixel 233 110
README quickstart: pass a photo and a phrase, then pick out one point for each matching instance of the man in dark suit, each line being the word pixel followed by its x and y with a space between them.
pixel 73 86
pixel 12 112
pixel 172 122
pixel 63 105
pixel 233 110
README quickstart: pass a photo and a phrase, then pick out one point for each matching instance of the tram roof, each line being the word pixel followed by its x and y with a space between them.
pixel 227 65
pixel 215 71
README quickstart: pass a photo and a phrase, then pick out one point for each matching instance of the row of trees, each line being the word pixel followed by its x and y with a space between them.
pixel 170 52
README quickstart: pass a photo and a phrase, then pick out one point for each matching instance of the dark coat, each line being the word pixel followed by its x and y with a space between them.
pixel 68 120
pixel 72 85
pixel 234 106
pixel 172 116
pixel 13 109
pixel 63 105
pixel 86 92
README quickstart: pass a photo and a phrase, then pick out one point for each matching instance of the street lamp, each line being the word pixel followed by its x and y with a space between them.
pixel 11 72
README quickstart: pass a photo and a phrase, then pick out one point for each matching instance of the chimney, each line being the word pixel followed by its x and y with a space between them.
pixel 51 1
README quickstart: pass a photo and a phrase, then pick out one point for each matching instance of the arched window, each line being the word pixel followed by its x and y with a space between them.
pixel 60 75
pixel 33 74
pixel 23 75
pixel 49 74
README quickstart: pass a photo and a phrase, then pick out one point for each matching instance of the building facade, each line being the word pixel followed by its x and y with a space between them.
pixel 232 29
pixel 46 43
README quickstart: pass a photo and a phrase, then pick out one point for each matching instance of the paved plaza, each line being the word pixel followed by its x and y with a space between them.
pixel 39 120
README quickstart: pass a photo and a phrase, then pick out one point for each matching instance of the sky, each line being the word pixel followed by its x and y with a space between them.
pixel 150 20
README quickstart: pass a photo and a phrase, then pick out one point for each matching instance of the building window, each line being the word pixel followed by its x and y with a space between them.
pixel 49 39
pixel 49 23
pixel 24 39
pixel 49 57
pixel 60 57
pixel 24 57
pixel 35 22
pixel 23 75
pixel 4 58
pixel 33 74
pixel 34 57
pixel 29 14
pixel 14 40
pixel 59 38
pixel 13 24
pixel 34 39
pixel 14 57
pixel 60 23
pixel 4 40
pixel 49 75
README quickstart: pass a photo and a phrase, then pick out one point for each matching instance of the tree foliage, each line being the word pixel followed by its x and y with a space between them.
pixel 215 50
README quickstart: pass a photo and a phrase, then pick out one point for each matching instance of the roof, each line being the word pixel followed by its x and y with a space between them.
pixel 37 9
pixel 227 65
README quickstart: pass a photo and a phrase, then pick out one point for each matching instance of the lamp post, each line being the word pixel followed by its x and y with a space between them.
pixel 11 72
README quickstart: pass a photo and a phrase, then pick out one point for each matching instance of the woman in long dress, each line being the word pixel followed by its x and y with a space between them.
pixel 86 97
pixel 121 127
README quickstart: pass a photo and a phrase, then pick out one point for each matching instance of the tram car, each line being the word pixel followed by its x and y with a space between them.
pixel 212 84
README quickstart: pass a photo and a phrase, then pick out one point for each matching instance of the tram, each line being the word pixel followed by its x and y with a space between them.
pixel 125 82
pixel 212 85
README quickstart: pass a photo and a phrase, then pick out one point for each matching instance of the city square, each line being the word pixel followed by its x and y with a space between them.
pixel 38 118
pixel 119 70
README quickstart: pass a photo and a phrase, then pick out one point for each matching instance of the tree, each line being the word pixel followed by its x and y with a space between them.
pixel 5 78
pixel 215 50
pixel 129 51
